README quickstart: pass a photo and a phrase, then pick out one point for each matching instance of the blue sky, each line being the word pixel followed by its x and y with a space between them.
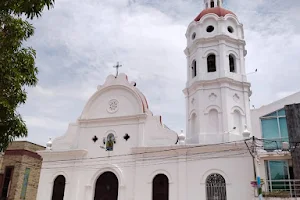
pixel 79 41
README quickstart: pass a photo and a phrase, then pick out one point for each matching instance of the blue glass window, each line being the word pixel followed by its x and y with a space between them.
pixel 274 128
pixel 278 175
pixel 270 128
pixel 281 112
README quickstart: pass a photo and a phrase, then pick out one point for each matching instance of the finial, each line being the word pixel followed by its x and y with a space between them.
pixel 49 144
pixel 246 132
pixel 181 138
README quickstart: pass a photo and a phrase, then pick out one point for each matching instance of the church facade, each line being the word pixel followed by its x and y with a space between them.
pixel 118 150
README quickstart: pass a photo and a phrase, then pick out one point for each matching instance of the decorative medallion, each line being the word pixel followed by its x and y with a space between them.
pixel 113 106
pixel 236 98
pixel 212 96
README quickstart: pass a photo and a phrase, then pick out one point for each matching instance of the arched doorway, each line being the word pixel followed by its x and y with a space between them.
pixel 58 191
pixel 160 187
pixel 107 187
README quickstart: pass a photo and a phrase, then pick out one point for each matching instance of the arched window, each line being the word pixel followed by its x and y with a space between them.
pixel 107 187
pixel 110 141
pixel 213 125
pixel 237 120
pixel 218 3
pixel 206 5
pixel 194 68
pixel 160 187
pixel 212 4
pixel 215 187
pixel 232 63
pixel 58 191
pixel 211 63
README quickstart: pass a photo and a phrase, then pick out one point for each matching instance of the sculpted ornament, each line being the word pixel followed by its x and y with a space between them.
pixel 212 97
pixel 113 106
pixel 193 101
pixel 236 98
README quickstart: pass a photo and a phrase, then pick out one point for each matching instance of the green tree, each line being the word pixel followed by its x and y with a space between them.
pixel 17 63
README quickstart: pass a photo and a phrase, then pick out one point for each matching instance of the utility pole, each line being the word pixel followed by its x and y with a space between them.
pixel 256 164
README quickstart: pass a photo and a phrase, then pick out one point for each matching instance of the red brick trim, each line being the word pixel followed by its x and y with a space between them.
pixel 23 152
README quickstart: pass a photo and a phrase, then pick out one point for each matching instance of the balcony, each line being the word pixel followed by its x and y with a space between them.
pixel 282 189
pixel 271 144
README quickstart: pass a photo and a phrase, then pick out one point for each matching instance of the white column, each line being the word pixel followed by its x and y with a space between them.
pixel 222 61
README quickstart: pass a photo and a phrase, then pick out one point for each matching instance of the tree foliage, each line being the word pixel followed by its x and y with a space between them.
pixel 17 63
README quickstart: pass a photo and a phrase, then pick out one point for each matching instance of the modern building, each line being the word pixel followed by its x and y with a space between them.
pixel 20 171
pixel 279 158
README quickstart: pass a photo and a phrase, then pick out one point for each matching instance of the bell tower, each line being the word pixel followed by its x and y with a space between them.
pixel 217 92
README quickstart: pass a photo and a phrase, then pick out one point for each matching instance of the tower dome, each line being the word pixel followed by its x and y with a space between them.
pixel 221 12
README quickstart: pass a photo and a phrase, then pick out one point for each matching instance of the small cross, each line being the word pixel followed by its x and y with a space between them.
pixel 126 136
pixel 95 138
pixel 117 68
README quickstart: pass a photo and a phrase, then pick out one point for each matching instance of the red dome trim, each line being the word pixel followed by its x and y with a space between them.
pixel 221 12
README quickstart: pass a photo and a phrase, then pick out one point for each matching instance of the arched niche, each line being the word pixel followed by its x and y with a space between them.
pixel 213 125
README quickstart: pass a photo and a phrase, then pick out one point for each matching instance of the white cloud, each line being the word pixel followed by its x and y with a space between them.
pixel 45 122
pixel 78 42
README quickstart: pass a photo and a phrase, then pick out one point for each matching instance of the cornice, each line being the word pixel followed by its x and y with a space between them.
pixel 107 120
pixel 72 153
pixel 221 82
pixel 219 39
pixel 187 149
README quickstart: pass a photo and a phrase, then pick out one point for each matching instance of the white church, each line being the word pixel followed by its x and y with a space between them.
pixel 117 149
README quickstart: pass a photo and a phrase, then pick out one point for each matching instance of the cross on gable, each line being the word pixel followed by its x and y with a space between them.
pixel 117 68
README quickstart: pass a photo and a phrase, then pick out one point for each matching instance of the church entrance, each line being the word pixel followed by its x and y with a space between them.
pixel 107 187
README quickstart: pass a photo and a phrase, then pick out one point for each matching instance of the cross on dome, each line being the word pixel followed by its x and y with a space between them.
pixel 213 3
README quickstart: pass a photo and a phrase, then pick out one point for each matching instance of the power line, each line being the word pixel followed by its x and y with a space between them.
pixel 150 152
pixel 143 161
pixel 99 166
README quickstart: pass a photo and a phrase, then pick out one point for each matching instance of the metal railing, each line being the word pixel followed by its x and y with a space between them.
pixel 271 144
pixel 282 188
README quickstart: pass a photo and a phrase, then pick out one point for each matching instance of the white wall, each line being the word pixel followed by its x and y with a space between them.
pixel 185 167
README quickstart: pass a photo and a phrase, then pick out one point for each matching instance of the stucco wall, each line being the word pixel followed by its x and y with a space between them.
pixel 186 169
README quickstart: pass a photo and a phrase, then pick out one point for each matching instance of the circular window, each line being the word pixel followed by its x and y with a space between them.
pixel 230 29
pixel 210 29
pixel 194 36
